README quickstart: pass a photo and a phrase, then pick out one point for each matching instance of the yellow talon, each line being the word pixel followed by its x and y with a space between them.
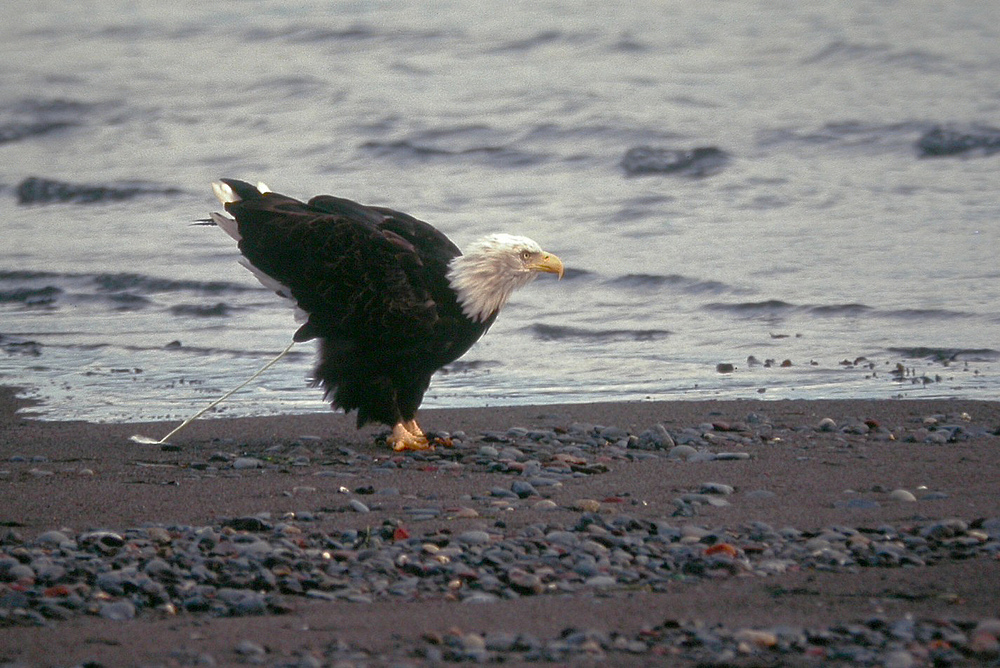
pixel 404 439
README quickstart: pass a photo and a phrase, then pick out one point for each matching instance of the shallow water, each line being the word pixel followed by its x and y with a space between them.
pixel 824 237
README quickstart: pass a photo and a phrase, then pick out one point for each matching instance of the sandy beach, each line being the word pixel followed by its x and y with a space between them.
pixel 736 532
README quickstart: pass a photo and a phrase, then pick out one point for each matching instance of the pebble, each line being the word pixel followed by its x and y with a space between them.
pixel 655 438
pixel 118 611
pixel 756 637
pixel 465 512
pixel 716 488
pixel 54 538
pixel 248 648
pixel 247 463
pixel 827 424
pixel 902 495
pixel 601 581
pixel 586 505
pixel 682 452
pixel 523 489
pixel 256 565
pixel 899 658
pixel 473 537
pixel 255 568
pixel 358 506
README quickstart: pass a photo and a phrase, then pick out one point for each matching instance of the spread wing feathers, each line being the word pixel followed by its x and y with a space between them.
pixel 356 272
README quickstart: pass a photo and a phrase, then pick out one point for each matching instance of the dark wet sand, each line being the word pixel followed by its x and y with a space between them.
pixel 131 485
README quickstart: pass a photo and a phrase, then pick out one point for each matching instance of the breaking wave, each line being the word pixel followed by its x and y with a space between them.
pixel 949 354
pixel 775 307
pixel 561 332
pixel 674 281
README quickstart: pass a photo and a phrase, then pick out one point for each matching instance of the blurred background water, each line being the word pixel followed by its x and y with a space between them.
pixel 820 234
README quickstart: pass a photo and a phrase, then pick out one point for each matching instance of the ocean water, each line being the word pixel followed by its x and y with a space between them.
pixel 824 258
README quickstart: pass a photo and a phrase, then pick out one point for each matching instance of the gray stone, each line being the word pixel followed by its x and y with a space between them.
pixel 716 488
pixel 902 495
pixel 731 456
pixel 56 538
pixel 118 611
pixel 523 489
pixel 826 424
pixel 358 506
pixel 473 538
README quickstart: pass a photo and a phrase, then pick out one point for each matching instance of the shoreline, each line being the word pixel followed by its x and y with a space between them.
pixel 808 467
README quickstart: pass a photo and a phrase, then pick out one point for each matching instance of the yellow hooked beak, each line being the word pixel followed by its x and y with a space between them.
pixel 550 264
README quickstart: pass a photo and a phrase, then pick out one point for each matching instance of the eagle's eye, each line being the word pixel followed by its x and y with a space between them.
pixel 525 255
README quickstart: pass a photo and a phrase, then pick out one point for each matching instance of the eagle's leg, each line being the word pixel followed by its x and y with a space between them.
pixel 402 439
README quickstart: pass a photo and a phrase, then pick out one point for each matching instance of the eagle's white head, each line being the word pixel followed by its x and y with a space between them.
pixel 492 268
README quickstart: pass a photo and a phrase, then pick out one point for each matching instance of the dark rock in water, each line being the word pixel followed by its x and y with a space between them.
pixel 201 310
pixel 702 161
pixel 35 190
pixel 13 346
pixel 16 131
pixel 939 141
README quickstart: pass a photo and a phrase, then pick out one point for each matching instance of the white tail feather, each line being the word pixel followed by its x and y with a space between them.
pixel 224 193
pixel 279 288
pixel 227 225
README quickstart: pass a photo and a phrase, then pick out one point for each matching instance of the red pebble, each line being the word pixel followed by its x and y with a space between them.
pixel 57 590
pixel 722 548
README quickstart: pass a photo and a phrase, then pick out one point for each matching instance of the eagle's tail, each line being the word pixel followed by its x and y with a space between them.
pixel 234 190
pixel 231 190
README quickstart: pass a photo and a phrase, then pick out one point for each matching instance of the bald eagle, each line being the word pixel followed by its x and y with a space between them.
pixel 390 298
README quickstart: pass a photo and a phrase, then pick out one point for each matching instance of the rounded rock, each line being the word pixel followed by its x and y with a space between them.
pixel 944 529
pixel 358 507
pixel 19 572
pixel 473 538
pixel 826 424
pixel 525 583
pixel 523 489
pixel 989 625
pixel 465 512
pixel 613 434
pixel 601 581
pixel 488 451
pixel 716 488
pixel 56 538
pixel 756 637
pixel 902 495
pixel 587 505
pixel 249 648
pixel 118 611
pixel 682 452
pixel 899 659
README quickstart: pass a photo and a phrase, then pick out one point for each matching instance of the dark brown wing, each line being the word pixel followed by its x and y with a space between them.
pixel 362 274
